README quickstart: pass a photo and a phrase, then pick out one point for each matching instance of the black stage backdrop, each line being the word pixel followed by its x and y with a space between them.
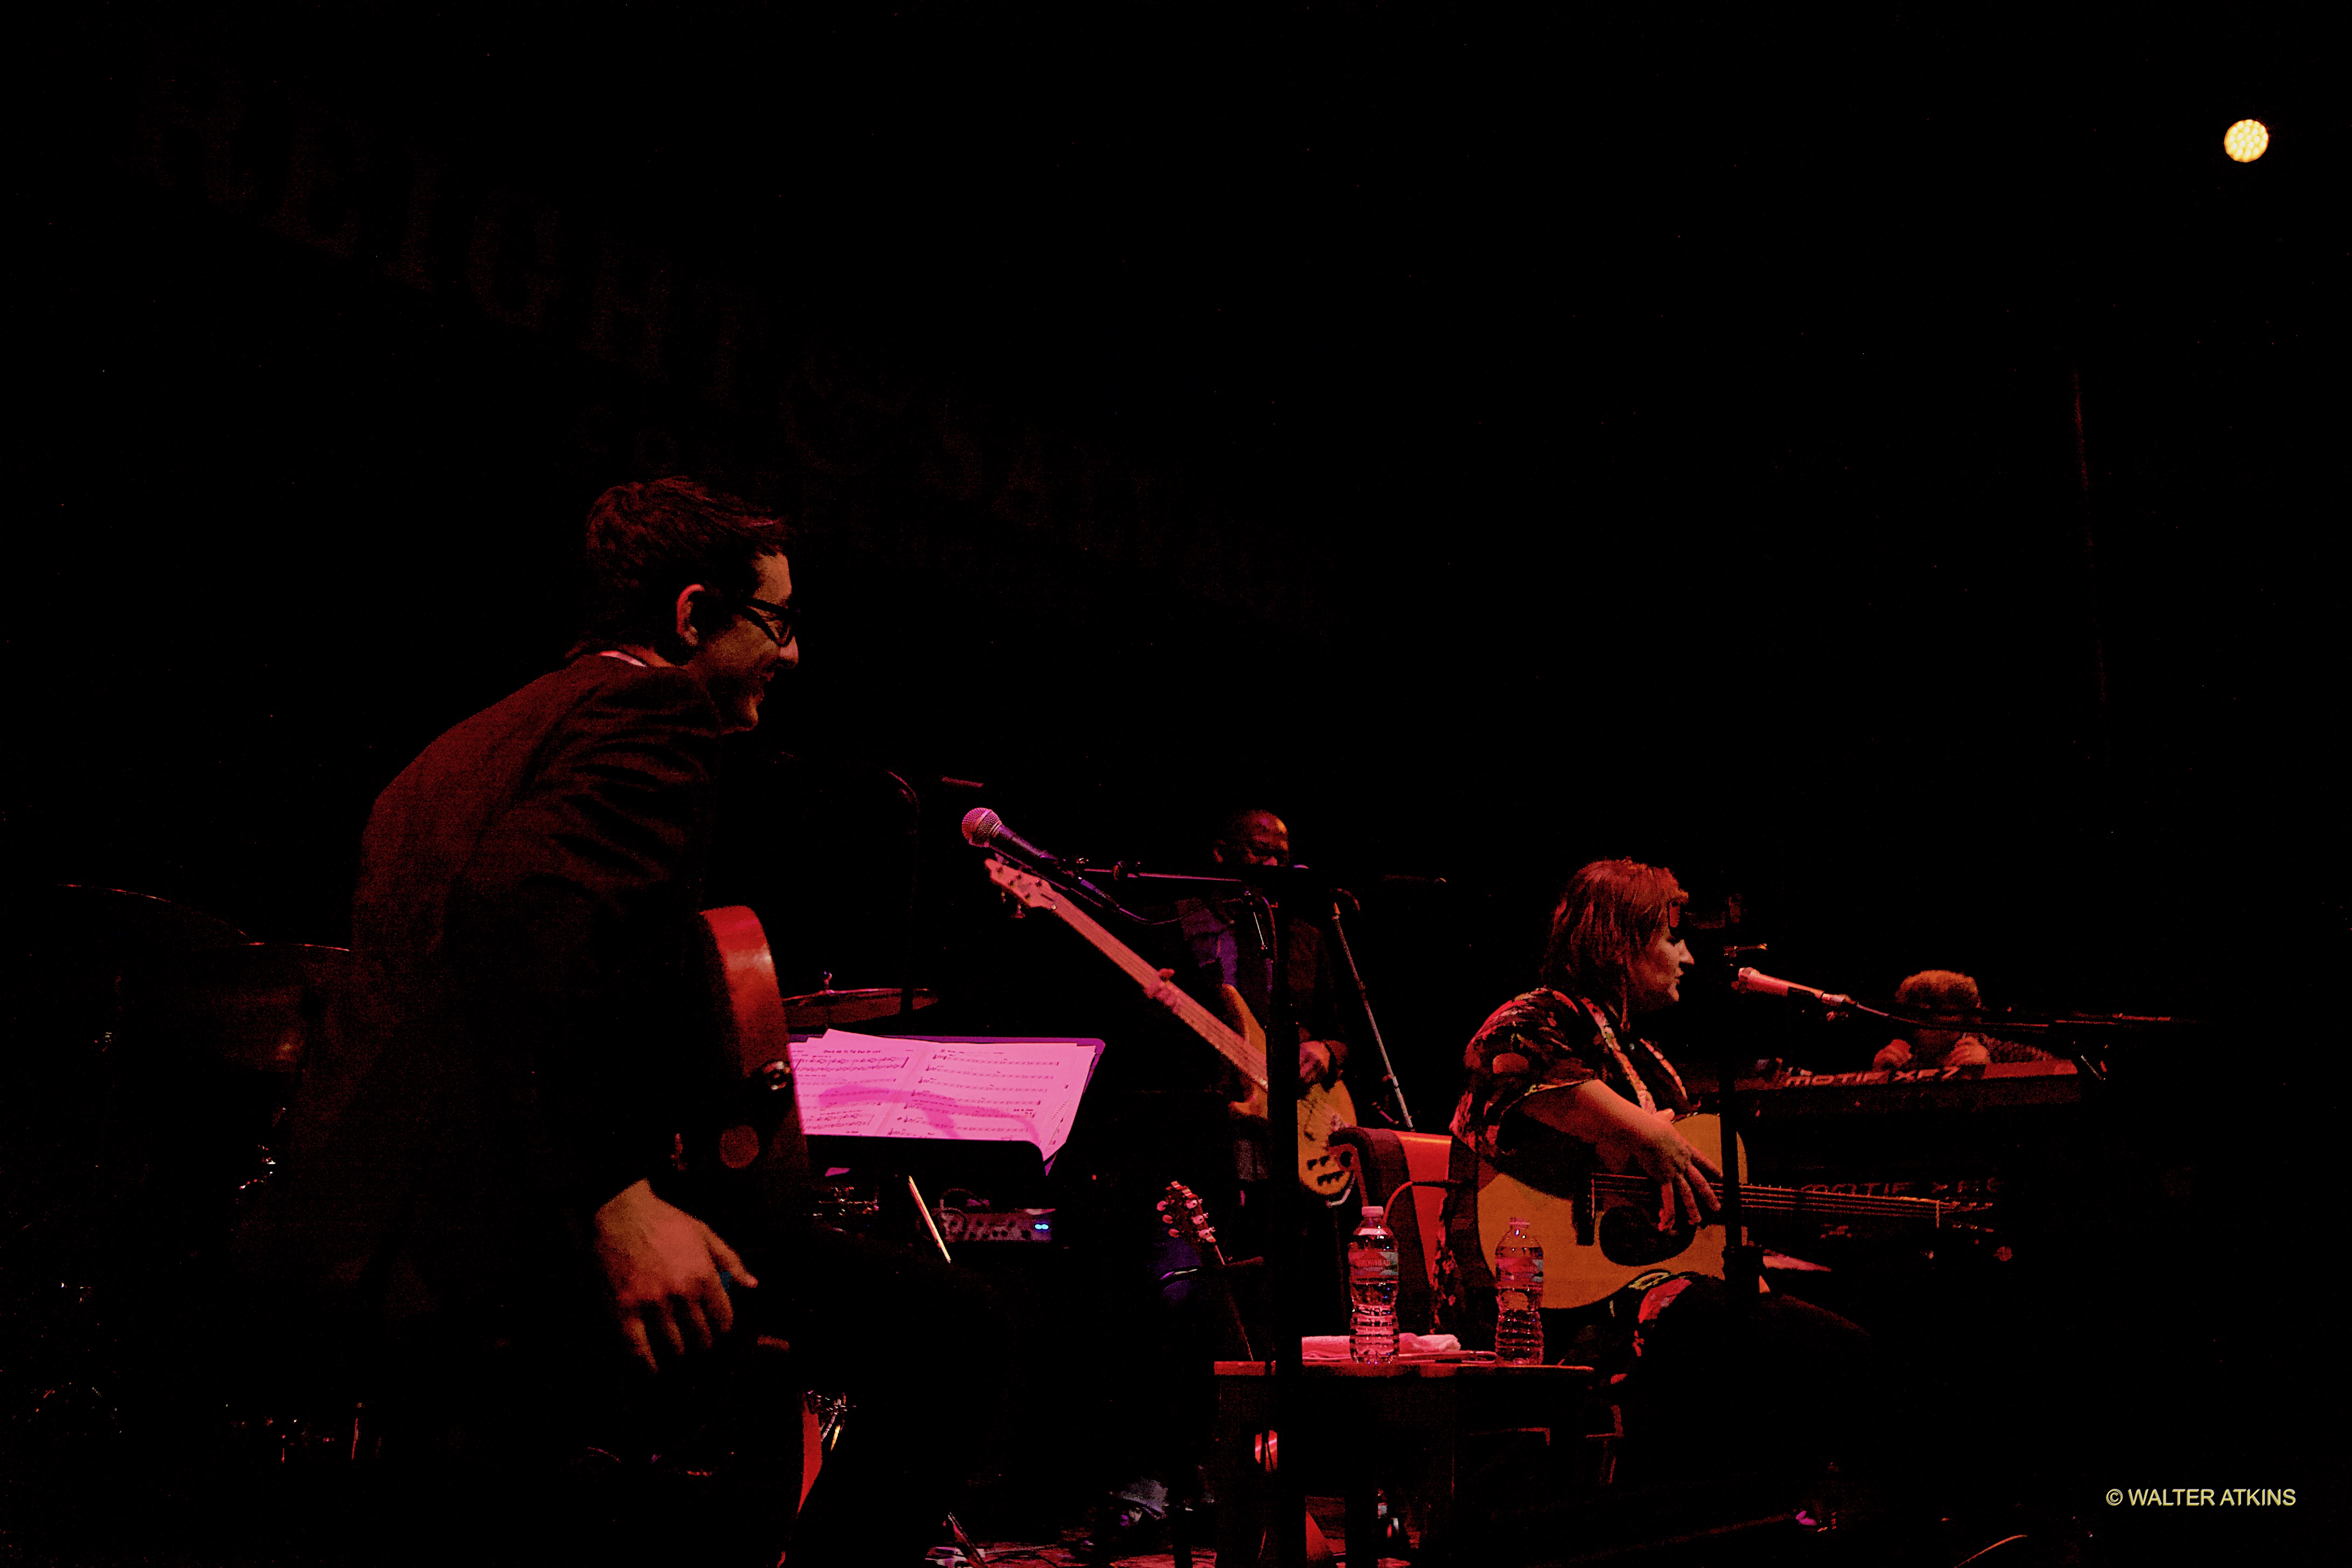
pixel 1889 474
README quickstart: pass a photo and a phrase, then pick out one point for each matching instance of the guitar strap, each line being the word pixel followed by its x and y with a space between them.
pixel 1625 1063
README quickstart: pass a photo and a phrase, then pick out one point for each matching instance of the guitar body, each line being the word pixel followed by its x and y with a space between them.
pixel 1321 1111
pixel 761 1032
pixel 1622 1241
pixel 764 1038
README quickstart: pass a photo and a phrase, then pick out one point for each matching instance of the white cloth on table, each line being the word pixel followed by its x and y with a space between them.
pixel 1334 1347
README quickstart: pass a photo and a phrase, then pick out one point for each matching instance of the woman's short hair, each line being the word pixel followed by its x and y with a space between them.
pixel 1608 912
pixel 648 542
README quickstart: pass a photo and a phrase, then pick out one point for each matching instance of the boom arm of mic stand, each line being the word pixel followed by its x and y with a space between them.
pixel 1203 886
pixel 1070 875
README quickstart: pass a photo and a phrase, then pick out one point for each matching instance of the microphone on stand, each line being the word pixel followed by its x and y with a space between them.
pixel 984 829
pixel 1754 983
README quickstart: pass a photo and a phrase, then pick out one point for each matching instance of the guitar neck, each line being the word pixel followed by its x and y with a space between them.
pixel 1791 1200
pixel 1197 1018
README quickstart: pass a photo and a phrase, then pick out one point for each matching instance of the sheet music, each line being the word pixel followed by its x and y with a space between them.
pixel 870 1086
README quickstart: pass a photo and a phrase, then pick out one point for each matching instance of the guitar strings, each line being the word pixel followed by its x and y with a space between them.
pixel 1790 1198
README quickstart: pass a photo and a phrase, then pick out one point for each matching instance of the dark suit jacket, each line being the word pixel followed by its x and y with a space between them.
pixel 536 1014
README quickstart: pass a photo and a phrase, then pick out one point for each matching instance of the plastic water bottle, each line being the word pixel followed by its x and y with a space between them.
pixel 1518 1295
pixel 1373 1290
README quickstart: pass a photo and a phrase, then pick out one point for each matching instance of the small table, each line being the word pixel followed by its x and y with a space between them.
pixel 1406 1414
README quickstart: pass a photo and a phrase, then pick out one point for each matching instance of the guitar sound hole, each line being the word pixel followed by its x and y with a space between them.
pixel 1629 1235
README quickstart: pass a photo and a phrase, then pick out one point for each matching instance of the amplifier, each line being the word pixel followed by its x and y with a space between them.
pixel 995 1225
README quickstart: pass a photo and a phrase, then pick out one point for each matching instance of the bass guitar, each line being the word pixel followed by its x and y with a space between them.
pixel 1241 1042
pixel 1600 1237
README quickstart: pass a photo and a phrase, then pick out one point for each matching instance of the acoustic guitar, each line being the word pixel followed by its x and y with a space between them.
pixel 1320 1110
pixel 1187 1219
pixel 1600 1237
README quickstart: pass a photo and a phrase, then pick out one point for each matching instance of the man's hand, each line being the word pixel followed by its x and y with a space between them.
pixel 1891 1056
pixel 662 1266
pixel 1314 1062
pixel 1969 1052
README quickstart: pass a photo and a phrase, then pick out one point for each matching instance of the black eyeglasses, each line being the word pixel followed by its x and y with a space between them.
pixel 758 611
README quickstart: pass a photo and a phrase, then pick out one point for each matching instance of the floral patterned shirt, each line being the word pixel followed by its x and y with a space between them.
pixel 1545 1041
pixel 1540 1043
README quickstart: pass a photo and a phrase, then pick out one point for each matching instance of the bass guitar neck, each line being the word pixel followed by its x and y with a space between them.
pixel 1321 1110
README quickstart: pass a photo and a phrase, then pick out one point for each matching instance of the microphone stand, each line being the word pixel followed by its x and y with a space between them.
pixel 1743 1264
pixel 1388 1084
pixel 914 884
pixel 1284 1267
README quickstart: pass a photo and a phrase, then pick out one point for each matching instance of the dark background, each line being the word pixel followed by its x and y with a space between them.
pixel 1490 442
pixel 1656 443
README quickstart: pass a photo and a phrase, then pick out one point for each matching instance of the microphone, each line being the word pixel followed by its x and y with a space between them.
pixel 984 829
pixel 1756 983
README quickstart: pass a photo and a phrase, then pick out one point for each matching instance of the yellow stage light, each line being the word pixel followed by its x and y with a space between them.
pixel 2246 141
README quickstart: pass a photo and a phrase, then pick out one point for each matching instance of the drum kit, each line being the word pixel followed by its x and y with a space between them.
pixel 156 1047
pixel 152 1049
pixel 152 1054
pixel 155 1051
pixel 813 1012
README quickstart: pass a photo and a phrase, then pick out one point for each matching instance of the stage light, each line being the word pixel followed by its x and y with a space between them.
pixel 2246 141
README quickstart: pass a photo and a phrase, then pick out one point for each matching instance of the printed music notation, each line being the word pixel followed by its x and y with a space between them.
pixel 871 1086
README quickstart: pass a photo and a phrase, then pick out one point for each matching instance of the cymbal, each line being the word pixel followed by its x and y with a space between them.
pixel 256 1008
pixel 122 924
pixel 79 948
pixel 823 1009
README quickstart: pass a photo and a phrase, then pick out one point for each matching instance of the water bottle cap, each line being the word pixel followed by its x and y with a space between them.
pixel 1375 1210
pixel 1516 1220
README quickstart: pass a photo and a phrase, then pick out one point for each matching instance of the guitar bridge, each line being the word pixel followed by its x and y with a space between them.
pixel 1580 1211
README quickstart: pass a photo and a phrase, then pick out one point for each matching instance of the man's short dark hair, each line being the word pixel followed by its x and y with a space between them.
pixel 647 541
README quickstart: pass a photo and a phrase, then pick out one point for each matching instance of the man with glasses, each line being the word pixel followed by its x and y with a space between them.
pixel 487 1171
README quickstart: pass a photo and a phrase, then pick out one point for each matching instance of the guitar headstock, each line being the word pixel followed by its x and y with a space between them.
pixel 1026 886
pixel 1186 1216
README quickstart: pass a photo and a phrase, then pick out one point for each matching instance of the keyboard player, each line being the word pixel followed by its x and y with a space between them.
pixel 1952 999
